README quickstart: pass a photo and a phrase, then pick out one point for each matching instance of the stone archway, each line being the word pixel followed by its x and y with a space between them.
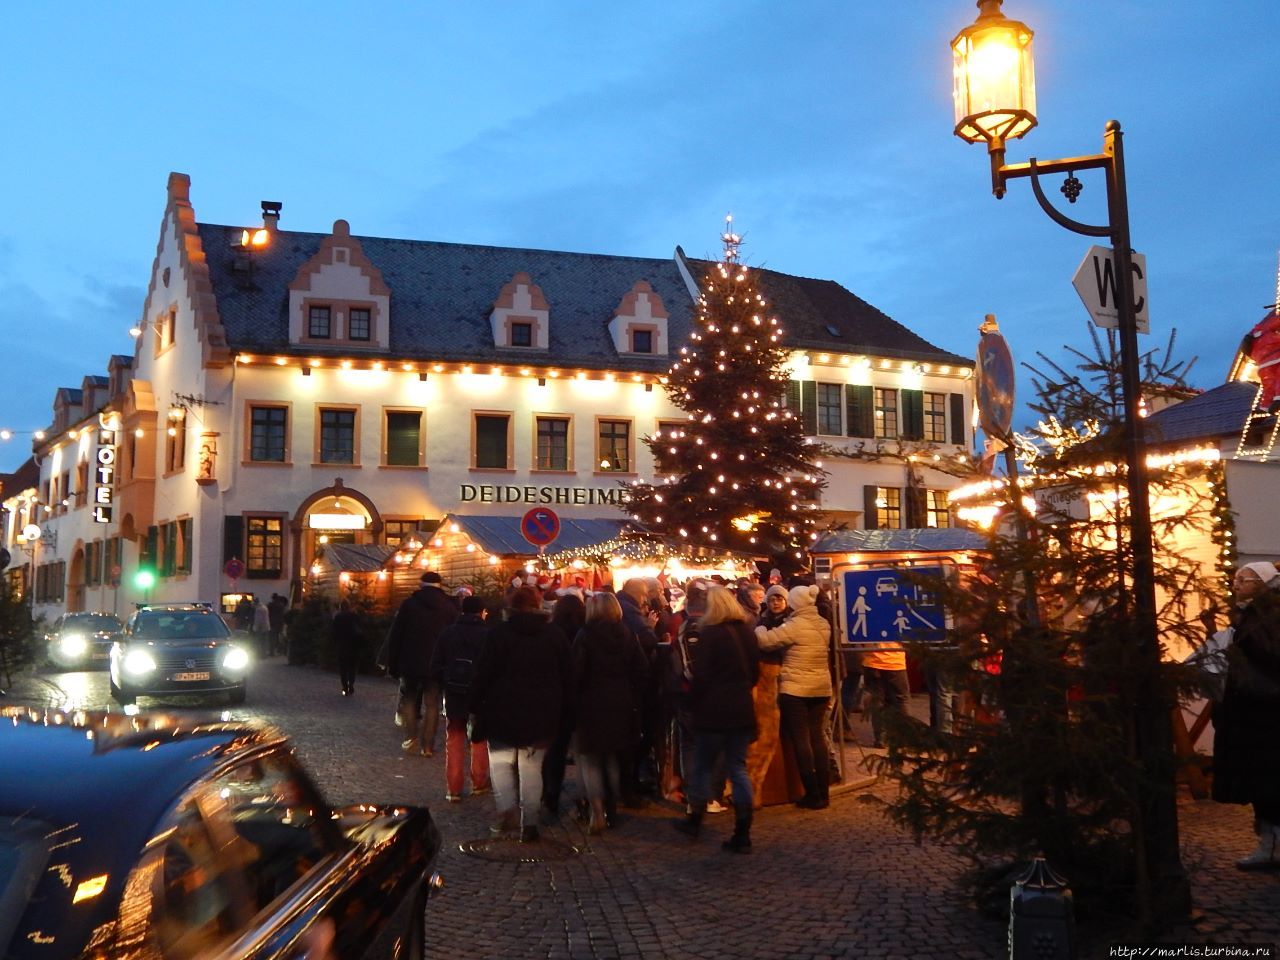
pixel 346 500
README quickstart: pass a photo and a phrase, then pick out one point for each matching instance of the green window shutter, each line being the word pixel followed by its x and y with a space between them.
pixel 187 527
pixel 912 414
pixel 958 426
pixel 232 539
pixel 809 407
pixel 793 396
pixel 860 410
pixel 915 508
pixel 869 520
pixel 147 556
pixel 404 432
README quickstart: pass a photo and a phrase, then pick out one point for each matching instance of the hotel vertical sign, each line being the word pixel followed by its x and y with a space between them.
pixel 104 476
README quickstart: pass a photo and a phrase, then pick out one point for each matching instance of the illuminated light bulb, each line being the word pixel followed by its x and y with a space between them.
pixel 407 367
pixel 173 431
pixel 471 548
pixel 73 434
pixel 438 367
pixel 6 434
pixel 281 361
pixel 315 363
pixel 138 432
pixel 243 358
pixel 39 434
pixel 346 364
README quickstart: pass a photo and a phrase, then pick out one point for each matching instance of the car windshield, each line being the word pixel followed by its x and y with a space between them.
pixel 179 625
pixel 92 621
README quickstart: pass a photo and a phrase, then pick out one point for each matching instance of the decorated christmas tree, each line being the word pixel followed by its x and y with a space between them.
pixel 738 472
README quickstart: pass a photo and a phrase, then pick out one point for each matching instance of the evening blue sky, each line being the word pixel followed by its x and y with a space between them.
pixel 628 129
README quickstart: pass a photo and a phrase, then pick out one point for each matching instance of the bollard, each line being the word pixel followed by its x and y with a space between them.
pixel 1042 921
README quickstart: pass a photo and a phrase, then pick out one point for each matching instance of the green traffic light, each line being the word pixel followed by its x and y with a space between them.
pixel 144 579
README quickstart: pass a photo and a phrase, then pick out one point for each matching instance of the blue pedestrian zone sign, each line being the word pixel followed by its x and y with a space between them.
pixel 890 605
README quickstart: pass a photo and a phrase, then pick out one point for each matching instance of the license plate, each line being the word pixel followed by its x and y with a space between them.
pixel 191 676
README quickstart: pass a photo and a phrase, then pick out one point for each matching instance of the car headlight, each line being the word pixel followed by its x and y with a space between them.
pixel 236 659
pixel 73 645
pixel 139 661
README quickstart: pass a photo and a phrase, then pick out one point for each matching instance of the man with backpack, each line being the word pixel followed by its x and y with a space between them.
pixel 453 668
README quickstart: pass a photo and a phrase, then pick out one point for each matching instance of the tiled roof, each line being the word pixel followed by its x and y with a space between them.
pixel 924 539
pixel 1214 413
pixel 443 293
pixel 501 535
pixel 26 477
pixel 822 315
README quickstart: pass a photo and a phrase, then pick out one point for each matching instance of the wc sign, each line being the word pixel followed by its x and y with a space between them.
pixel 104 476
pixel 1095 281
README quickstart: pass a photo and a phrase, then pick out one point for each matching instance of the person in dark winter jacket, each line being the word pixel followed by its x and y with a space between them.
pixel 419 621
pixel 454 663
pixel 609 675
pixel 1246 753
pixel 568 615
pixel 725 669
pixel 346 642
pixel 518 702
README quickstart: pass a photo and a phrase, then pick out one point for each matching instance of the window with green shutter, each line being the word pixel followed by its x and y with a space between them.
pixel 404 438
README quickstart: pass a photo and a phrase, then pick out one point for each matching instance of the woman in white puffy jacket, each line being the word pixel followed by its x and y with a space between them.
pixel 804 689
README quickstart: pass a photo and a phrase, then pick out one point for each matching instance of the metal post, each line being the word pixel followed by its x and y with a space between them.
pixel 1157 836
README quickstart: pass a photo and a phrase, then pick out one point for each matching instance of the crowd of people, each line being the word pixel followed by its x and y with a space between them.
pixel 647 695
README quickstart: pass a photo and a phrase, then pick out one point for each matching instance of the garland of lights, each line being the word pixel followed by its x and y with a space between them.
pixel 1223 533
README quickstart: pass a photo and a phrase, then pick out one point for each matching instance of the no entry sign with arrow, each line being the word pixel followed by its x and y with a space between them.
pixel 540 526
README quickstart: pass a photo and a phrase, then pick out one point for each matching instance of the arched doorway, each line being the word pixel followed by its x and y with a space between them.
pixel 333 515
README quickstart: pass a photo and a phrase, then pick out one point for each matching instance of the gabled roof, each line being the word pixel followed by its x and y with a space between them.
pixel 356 557
pixel 921 540
pixel 501 535
pixel 442 295
pixel 1215 413
pixel 823 315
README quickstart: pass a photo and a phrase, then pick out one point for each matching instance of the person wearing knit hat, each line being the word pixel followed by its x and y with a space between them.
pixel 805 689
pixel 1246 752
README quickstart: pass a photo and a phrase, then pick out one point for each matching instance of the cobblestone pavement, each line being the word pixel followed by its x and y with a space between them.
pixel 838 883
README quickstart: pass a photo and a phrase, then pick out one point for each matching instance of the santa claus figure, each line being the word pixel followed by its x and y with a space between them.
pixel 1263 344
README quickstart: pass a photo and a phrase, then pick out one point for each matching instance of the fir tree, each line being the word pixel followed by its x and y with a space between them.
pixel 738 473
pixel 1041 756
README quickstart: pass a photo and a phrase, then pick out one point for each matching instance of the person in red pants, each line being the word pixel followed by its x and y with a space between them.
pixel 453 666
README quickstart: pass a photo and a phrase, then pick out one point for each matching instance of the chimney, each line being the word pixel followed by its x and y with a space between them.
pixel 271 214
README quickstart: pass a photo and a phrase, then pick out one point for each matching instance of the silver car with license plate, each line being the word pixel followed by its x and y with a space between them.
pixel 178 648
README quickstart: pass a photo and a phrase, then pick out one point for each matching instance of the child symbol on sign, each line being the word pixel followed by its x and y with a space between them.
pixel 901 622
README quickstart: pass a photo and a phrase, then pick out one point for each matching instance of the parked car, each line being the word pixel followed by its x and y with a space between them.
pixel 178 648
pixel 81 641
pixel 155 835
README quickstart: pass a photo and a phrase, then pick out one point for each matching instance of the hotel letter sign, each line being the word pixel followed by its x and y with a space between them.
pixel 104 477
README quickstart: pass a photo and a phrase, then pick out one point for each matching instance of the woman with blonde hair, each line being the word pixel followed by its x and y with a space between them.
pixel 724 671
pixel 607 690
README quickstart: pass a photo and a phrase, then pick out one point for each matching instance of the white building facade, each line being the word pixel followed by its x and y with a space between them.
pixel 288 387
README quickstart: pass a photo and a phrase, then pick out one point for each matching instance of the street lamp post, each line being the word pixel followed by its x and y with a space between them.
pixel 994 89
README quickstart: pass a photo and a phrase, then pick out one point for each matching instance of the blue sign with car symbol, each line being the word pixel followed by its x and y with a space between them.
pixel 891 604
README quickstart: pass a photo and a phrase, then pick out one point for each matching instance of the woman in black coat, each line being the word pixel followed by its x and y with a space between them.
pixel 346 642
pixel 609 673
pixel 518 700
pixel 725 668
pixel 1246 746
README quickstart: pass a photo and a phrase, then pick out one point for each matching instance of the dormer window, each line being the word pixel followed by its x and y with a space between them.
pixel 521 316
pixel 320 322
pixel 338 298
pixel 639 323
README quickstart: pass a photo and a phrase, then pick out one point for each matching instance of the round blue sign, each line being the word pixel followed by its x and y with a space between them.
pixel 995 385
pixel 540 526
